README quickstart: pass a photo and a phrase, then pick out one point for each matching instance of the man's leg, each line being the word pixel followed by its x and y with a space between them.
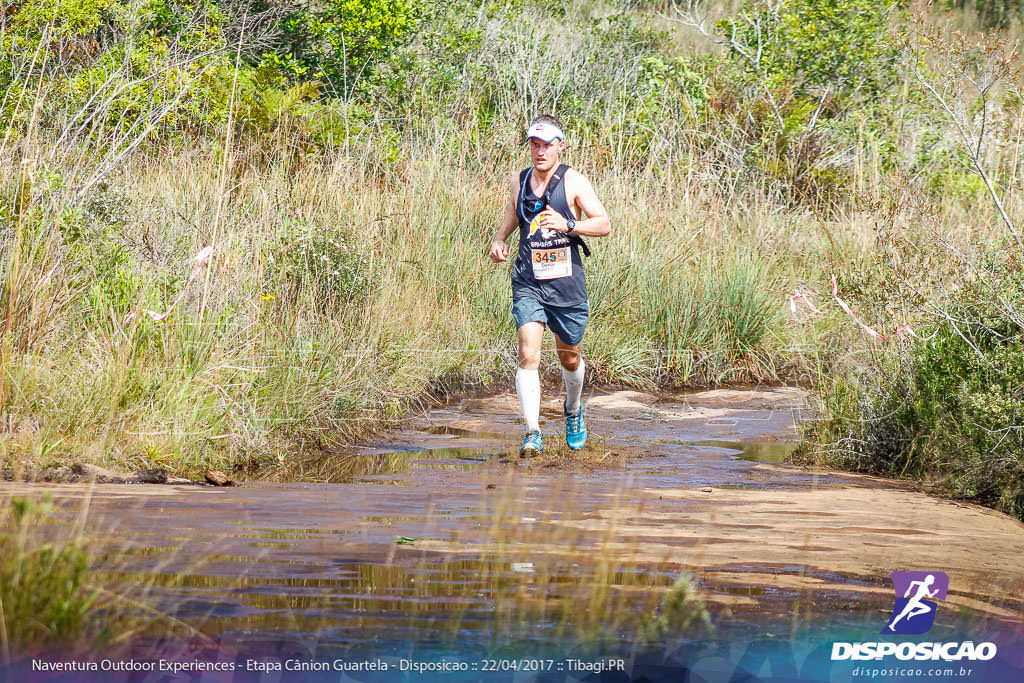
pixel 528 374
pixel 572 373
pixel 569 324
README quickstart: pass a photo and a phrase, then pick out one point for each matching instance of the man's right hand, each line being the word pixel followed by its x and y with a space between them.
pixel 499 251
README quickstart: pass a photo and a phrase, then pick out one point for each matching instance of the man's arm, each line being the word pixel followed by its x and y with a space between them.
pixel 596 224
pixel 509 222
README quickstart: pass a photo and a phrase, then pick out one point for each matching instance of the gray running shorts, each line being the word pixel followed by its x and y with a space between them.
pixel 568 322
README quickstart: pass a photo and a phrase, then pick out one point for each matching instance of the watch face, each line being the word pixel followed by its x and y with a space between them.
pixel 570 224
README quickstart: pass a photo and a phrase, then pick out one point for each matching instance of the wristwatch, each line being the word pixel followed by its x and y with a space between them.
pixel 571 225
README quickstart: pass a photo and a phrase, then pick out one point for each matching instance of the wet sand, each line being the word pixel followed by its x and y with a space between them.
pixel 773 515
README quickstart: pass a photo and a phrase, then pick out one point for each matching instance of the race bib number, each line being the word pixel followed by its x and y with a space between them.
pixel 549 264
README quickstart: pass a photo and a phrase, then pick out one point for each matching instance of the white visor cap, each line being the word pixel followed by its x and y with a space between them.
pixel 545 131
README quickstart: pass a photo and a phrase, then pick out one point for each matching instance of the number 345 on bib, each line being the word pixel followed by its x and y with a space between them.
pixel 549 264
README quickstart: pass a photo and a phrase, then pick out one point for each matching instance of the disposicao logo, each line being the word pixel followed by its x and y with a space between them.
pixel 913 613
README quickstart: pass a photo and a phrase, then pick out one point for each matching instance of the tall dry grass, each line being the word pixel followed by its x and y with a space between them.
pixel 349 282
pixel 257 359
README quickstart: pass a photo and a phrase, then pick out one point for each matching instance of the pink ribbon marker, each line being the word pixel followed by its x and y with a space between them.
pixel 842 304
pixel 201 258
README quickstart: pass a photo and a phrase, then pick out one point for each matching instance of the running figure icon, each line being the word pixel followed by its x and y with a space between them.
pixel 916 605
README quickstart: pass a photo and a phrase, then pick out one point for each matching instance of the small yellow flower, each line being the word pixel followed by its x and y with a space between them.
pixel 268 297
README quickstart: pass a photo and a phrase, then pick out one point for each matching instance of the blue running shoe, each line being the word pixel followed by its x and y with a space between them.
pixel 533 442
pixel 575 429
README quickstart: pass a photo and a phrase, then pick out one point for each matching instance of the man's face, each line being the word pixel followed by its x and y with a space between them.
pixel 545 154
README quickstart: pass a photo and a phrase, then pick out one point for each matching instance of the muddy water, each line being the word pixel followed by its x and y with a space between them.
pixel 438 540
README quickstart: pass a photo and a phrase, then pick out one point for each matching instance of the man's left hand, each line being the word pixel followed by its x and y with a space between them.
pixel 552 220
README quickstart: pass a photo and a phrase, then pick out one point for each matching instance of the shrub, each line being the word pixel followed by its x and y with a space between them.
pixel 679 614
pixel 839 45
pixel 111 65
pixel 338 41
pixel 950 410
pixel 711 320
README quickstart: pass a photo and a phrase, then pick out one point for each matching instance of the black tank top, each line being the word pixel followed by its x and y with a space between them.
pixel 548 267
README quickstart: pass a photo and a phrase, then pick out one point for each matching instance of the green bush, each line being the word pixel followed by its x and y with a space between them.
pixel 711 319
pixel 949 410
pixel 338 41
pixel 839 45
pixel 111 69
pixel 679 614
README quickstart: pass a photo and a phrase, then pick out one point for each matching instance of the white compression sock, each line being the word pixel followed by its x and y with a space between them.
pixel 573 388
pixel 528 388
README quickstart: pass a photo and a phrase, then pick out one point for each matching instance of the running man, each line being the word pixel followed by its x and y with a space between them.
pixel 548 285
pixel 915 606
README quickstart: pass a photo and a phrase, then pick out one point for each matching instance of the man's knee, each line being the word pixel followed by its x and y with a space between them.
pixel 529 358
pixel 569 358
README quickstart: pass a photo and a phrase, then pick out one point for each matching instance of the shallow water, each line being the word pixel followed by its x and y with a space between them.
pixel 436 542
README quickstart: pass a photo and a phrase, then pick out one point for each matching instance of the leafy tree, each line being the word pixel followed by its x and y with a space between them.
pixel 337 41
pixel 838 46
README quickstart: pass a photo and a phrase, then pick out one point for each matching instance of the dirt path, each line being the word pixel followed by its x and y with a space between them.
pixel 434 520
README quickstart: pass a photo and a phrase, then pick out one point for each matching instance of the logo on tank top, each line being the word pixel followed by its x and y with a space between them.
pixel 544 232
